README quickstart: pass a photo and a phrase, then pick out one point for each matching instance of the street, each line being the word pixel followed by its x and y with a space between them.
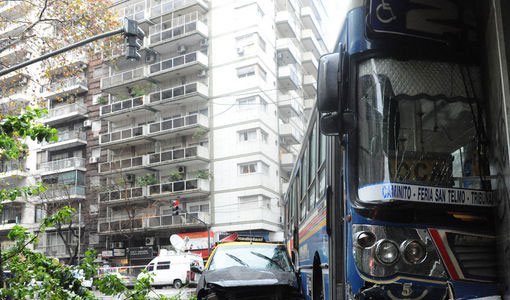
pixel 167 291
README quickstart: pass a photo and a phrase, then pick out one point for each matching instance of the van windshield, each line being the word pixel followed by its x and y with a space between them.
pixel 271 257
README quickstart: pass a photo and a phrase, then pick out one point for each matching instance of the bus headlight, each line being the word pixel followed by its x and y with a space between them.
pixel 413 252
pixel 387 252
pixel 384 251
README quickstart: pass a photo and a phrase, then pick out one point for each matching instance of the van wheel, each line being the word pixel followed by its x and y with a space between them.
pixel 177 284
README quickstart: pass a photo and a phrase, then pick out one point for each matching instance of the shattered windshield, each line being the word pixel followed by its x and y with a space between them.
pixel 419 124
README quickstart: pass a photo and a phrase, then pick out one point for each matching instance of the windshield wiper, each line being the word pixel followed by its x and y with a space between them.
pixel 269 259
pixel 237 259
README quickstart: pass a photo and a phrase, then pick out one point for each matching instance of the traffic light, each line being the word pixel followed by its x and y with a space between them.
pixel 175 208
pixel 133 34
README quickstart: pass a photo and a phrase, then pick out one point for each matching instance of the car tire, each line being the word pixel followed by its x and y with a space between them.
pixel 177 284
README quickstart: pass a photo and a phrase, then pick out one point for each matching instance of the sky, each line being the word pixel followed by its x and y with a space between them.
pixel 336 13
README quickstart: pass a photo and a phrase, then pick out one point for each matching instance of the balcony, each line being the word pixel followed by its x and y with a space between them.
pixel 166 7
pixel 310 20
pixel 123 195
pixel 179 126
pixel 15 55
pixel 289 105
pixel 12 170
pixel 288 51
pixel 143 223
pixel 310 85
pixel 182 188
pixel 135 107
pixel 287 161
pixel 310 43
pixel 70 86
pixel 309 103
pixel 17 96
pixel 134 11
pixel 286 24
pixel 124 137
pixel 288 77
pixel 191 93
pixel 64 113
pixel 62 165
pixel 189 156
pixel 189 29
pixel 310 64
pixel 63 193
pixel 290 134
pixel 66 139
pixel 182 65
pixel 125 164
pixel 14 81
pixel 115 83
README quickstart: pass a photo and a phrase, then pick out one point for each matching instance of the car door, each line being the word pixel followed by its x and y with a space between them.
pixel 163 272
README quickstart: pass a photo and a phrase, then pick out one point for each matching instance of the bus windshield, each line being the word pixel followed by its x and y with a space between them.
pixel 419 126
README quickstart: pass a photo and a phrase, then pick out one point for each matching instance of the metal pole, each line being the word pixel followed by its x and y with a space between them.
pixel 208 240
pixel 79 232
pixel 65 49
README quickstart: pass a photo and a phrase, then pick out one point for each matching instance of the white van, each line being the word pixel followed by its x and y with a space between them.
pixel 173 269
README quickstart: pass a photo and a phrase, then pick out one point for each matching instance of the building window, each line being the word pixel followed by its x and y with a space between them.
pixel 246 71
pixel 248 168
pixel 248 135
pixel 263 136
pixel 263 104
pixel 246 44
pixel 199 208
pixel 247 103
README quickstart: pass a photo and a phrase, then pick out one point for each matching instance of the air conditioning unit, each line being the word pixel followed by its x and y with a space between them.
pixel 181 49
pixel 204 43
pixel 130 178
pixel 151 56
pixel 87 123
pixel 202 73
pixel 149 241
pixel 93 160
pixel 240 51
pixel 181 169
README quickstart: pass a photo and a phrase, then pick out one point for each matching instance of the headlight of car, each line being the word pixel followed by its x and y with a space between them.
pixel 382 251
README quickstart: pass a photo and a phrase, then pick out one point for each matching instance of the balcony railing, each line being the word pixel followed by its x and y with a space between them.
pixel 175 62
pixel 176 154
pixel 122 105
pixel 62 85
pixel 166 6
pixel 57 165
pixel 117 165
pixel 10 166
pixel 150 222
pixel 175 123
pixel 122 77
pixel 178 186
pixel 174 92
pixel 63 193
pixel 175 27
pixel 62 110
pixel 122 134
pixel 124 194
pixel 68 135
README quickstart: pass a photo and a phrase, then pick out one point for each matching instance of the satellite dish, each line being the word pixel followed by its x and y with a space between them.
pixel 177 242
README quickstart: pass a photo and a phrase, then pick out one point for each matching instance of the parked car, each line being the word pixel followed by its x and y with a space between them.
pixel 247 270
pixel 173 269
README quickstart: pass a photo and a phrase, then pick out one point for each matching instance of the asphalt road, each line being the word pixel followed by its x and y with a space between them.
pixel 185 293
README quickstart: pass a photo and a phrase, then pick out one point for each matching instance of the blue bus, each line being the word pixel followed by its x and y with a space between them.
pixel 391 196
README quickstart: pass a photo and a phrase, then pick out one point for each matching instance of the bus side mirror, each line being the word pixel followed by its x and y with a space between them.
pixel 331 91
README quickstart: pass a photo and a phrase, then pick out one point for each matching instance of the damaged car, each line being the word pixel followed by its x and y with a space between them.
pixel 246 270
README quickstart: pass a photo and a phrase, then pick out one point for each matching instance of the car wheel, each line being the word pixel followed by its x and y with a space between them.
pixel 177 284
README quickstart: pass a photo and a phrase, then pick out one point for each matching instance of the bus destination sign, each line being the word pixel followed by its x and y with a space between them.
pixel 417 193
pixel 437 20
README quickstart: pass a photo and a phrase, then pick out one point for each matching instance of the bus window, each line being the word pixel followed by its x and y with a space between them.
pixel 304 174
pixel 313 153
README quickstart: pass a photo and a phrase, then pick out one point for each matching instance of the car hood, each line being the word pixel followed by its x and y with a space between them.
pixel 242 276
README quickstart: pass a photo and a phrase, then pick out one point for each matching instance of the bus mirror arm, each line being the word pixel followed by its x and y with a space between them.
pixel 337 123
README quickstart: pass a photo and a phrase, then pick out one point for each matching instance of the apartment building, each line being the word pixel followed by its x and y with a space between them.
pixel 212 116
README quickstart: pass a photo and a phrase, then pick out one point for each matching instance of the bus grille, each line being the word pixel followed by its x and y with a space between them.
pixel 475 254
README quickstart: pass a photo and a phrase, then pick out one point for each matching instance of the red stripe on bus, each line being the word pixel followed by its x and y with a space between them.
pixel 444 254
pixel 313 223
